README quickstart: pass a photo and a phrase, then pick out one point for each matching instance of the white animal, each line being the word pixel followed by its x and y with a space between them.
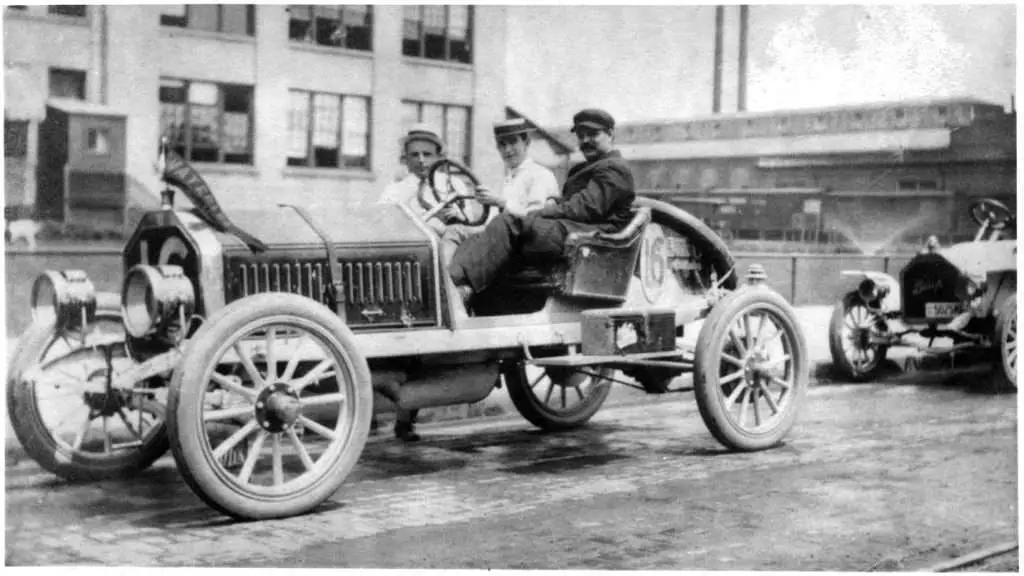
pixel 23 229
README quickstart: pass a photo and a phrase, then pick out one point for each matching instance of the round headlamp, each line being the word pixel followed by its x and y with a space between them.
pixel 67 298
pixel 155 298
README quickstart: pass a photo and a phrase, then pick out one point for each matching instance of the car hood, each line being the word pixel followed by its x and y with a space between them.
pixel 976 259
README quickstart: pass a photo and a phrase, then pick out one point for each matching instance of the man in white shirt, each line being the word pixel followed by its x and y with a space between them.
pixel 527 185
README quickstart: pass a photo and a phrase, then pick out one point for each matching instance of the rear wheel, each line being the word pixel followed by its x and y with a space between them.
pixel 557 398
pixel 257 429
pixel 750 369
pixel 66 415
pixel 849 339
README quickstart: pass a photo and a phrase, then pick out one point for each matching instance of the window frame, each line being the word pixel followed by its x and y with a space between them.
pixel 311 39
pixel 251 116
pixel 421 35
pixel 170 21
pixel 310 159
pixel 467 157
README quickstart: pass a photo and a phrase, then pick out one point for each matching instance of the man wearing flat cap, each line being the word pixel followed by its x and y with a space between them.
pixel 528 185
pixel 597 195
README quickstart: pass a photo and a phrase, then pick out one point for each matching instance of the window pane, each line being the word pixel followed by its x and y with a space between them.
pixel 203 16
pixel 358 29
pixel 458 26
pixel 67 84
pixel 458 34
pixel 300 26
pixel 329 31
pixel 237 98
pixel 236 19
pixel 457 131
pixel 172 113
pixel 203 93
pixel 68 10
pixel 433 117
pixel 326 108
pixel 411 31
pixel 433 32
pixel 410 115
pixel 15 138
pixel 298 128
pixel 174 15
pixel 355 131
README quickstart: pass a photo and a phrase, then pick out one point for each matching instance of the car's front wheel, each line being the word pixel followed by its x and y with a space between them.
pixel 271 407
pixel 850 333
pixel 1005 370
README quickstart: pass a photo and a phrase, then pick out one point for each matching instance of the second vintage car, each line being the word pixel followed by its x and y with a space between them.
pixel 256 348
pixel 966 293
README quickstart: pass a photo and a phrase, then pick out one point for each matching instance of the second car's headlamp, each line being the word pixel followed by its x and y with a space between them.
pixel 68 298
pixel 155 298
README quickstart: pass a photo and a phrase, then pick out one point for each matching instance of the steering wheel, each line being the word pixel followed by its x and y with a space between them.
pixel 436 200
pixel 991 213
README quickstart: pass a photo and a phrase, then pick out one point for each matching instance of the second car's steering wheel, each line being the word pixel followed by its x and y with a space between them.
pixel 991 214
pixel 434 200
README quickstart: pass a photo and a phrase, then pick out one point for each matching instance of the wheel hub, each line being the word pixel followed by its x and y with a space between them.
pixel 277 407
pixel 105 403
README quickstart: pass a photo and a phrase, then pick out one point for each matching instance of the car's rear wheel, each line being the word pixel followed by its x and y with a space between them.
pixel 65 414
pixel 1005 368
pixel 557 398
pixel 257 430
pixel 849 339
pixel 750 369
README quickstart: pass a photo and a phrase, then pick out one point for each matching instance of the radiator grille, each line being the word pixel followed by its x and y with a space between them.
pixel 378 292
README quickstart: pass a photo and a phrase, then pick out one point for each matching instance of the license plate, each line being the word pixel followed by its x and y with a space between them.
pixel 943 309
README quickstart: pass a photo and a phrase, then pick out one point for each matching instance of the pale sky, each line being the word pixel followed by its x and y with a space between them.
pixel 655 62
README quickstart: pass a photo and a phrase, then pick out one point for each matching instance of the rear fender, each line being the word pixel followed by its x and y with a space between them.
pixel 891 301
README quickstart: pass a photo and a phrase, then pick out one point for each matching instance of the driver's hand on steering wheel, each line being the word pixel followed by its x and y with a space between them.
pixel 485 196
pixel 450 214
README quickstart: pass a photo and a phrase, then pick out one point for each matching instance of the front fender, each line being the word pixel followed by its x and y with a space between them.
pixel 891 301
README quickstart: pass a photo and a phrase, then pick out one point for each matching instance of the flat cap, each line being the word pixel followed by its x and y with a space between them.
pixel 593 118
pixel 511 127
pixel 423 133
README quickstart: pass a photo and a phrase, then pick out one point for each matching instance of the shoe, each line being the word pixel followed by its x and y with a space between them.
pixel 405 433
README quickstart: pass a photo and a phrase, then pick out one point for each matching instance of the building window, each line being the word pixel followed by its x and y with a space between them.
pixel 97 141
pixel 67 83
pixel 225 18
pixel 438 32
pixel 15 138
pixel 207 122
pixel 345 26
pixel 76 10
pixel 328 130
pixel 451 122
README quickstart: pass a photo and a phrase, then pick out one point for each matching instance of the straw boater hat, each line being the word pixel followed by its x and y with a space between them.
pixel 511 127
pixel 424 133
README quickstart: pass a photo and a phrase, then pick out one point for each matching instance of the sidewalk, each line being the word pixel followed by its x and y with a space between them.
pixel 813 319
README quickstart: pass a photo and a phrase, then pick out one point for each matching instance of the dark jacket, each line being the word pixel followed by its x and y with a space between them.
pixel 598 192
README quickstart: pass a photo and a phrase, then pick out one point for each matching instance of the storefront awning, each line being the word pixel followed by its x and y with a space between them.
pixel 23 97
pixel 817 144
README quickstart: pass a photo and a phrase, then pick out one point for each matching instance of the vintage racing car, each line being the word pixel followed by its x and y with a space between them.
pixel 966 292
pixel 257 348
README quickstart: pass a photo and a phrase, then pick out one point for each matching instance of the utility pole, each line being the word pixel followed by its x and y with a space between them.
pixel 716 94
pixel 741 84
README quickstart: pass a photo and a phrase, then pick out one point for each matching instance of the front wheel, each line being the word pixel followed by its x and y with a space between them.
pixel 66 415
pixel 1005 370
pixel 751 369
pixel 271 408
pixel 850 330
pixel 557 398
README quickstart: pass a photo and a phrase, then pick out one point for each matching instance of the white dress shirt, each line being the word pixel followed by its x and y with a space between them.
pixel 529 185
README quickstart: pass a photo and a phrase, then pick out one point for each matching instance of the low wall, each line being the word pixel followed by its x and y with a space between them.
pixel 804 279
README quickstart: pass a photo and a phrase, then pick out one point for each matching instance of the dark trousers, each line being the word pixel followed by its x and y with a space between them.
pixel 480 258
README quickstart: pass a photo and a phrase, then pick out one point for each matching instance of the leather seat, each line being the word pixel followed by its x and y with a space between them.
pixel 594 264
